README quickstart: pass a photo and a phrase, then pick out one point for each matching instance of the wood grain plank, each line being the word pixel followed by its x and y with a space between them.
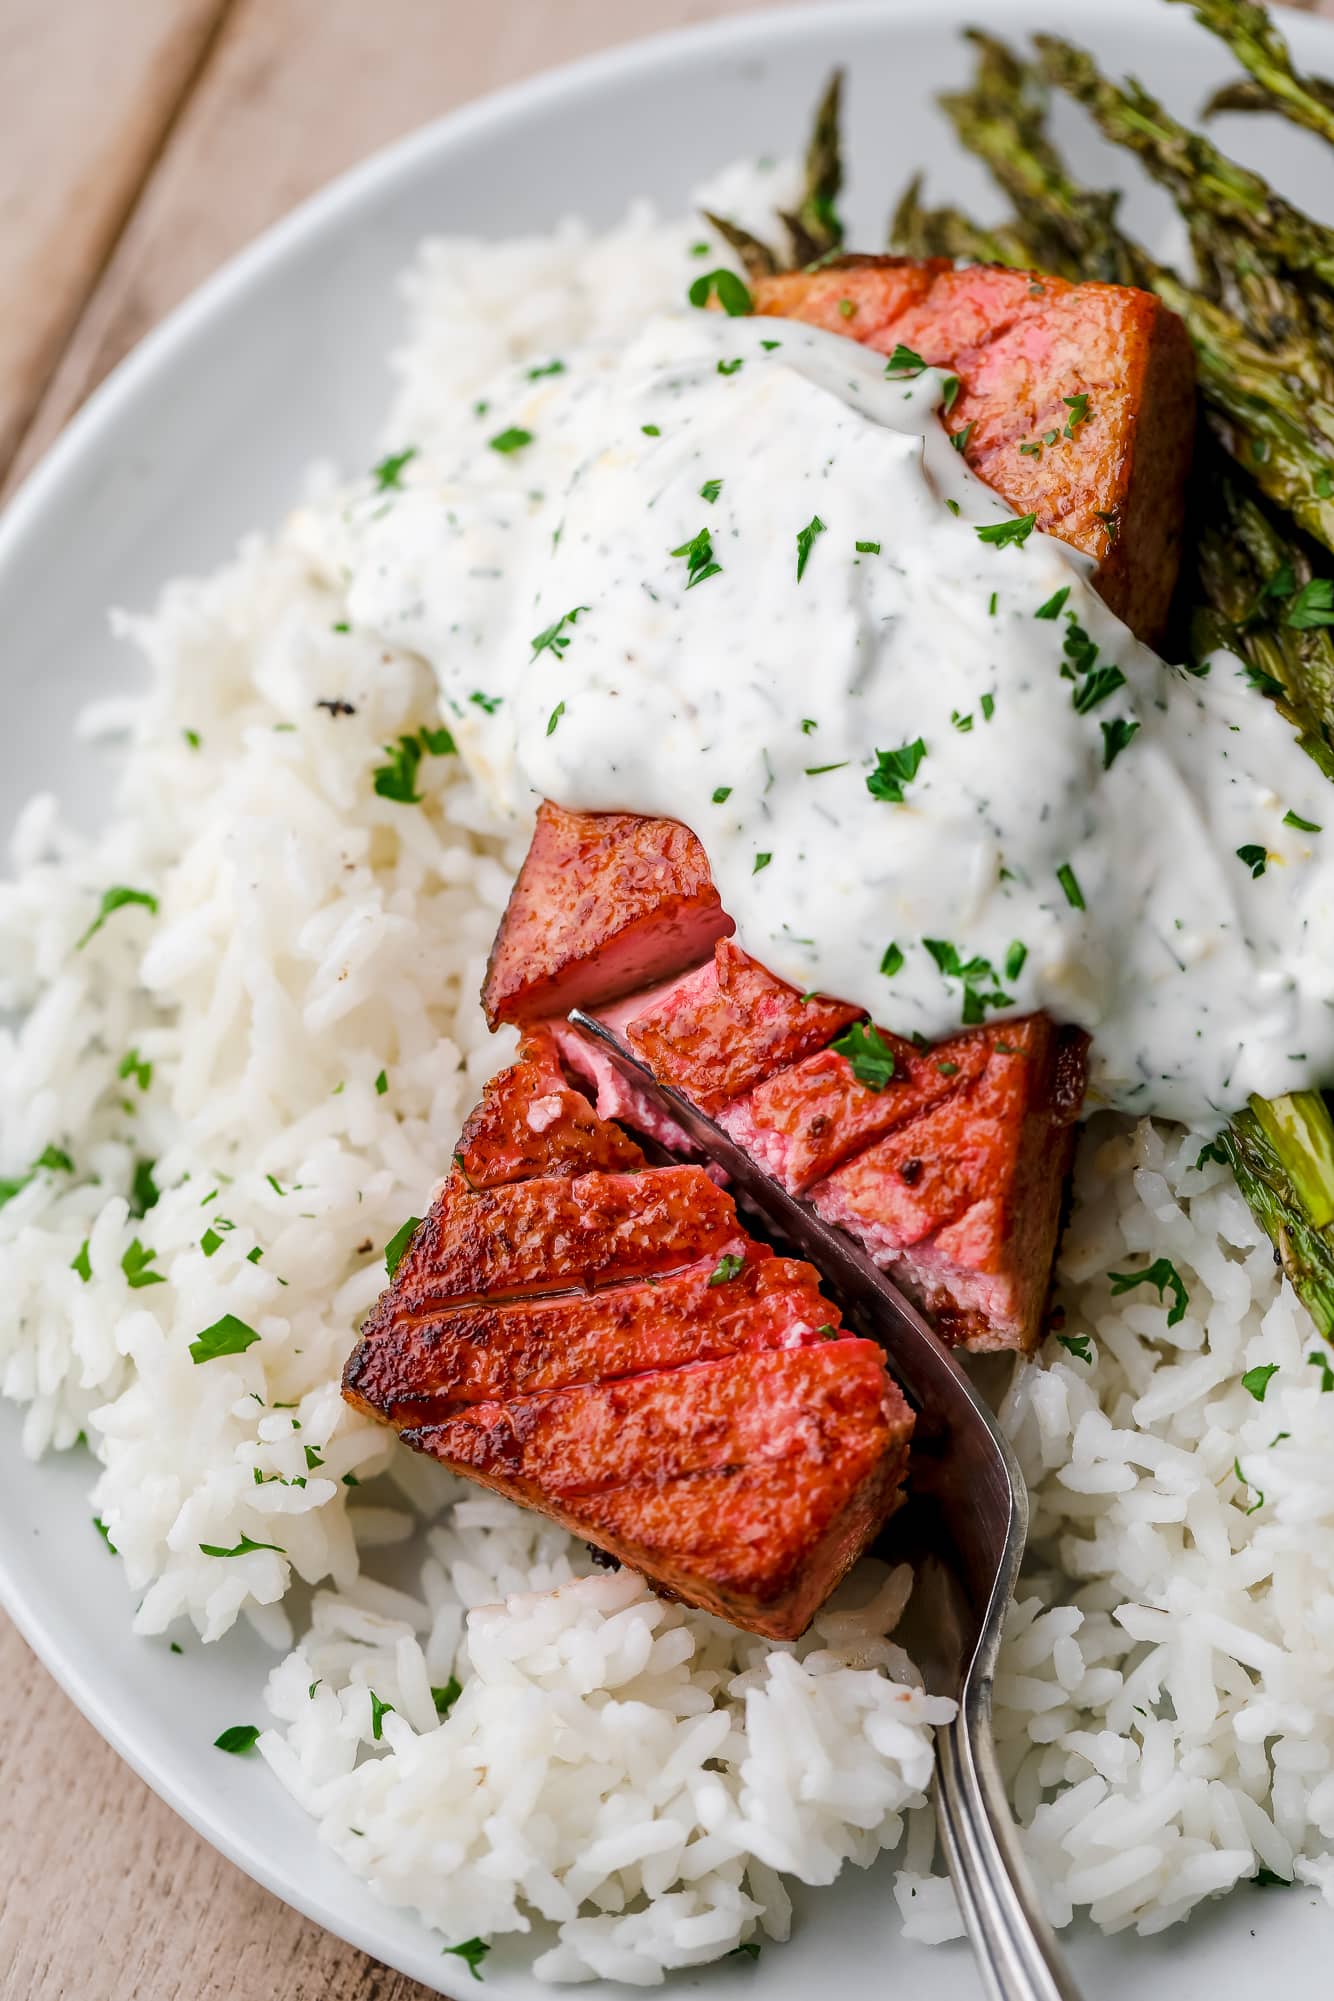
pixel 87 93
pixel 295 91
pixel 109 1897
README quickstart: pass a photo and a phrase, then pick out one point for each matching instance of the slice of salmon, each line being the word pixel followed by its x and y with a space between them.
pixel 727 1026
pixel 977 1130
pixel 607 1344
pixel 605 904
pixel 1076 402
pixel 747 1486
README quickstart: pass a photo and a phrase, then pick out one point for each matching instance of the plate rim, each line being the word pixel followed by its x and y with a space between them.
pixel 39 492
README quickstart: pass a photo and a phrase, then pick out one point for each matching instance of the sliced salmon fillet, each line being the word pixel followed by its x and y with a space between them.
pixel 977 1130
pixel 1107 476
pixel 722 1029
pixel 962 1202
pixel 605 903
pixel 747 1486
pixel 607 1344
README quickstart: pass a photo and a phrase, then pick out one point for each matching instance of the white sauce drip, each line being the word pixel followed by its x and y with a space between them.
pixel 1199 981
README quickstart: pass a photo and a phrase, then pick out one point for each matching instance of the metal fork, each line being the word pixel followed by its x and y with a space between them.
pixel 970 1521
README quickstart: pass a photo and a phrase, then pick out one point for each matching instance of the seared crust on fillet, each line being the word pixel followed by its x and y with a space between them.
pixel 951 1174
pixel 1113 481
pixel 747 1486
pixel 611 1347
pixel 605 903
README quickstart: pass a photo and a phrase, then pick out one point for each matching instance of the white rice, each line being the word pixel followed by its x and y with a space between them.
pixel 640 1777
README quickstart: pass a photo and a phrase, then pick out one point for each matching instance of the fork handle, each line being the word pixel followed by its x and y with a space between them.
pixel 1015 1947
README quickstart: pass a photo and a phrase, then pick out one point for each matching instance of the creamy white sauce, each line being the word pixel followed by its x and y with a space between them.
pixel 723 702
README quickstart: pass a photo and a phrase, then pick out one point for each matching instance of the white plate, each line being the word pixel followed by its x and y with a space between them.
pixel 202 435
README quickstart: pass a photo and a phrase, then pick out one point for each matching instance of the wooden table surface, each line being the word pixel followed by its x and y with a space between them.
pixel 141 143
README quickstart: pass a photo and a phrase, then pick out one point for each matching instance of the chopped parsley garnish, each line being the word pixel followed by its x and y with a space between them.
pixel 724 286
pixel 1291 819
pixel 847 307
pixel 1313 606
pixel 1055 604
pixel 1115 736
pixel 721 793
pixel 730 367
pixel 818 770
pixel 143 1189
pixel 386 474
pixel 547 368
pixel 1163 1276
pixel 555 639
pixel 710 490
pixel 379 1710
pixel 868 548
pixel 1078 1345
pixel 904 363
pixel 1254 857
pixel 80 1263
pixel 445 1698
pixel 53 1158
pixel 113 900
pixel 228 1336
pixel 398 1244
pixel 727 1267
pixel 651 430
pixel 488 703
pixel 1257 1380
pixel 555 717
pixel 806 542
pixel 242 1548
pixel 961 723
pixel 397 780
pixel 953 506
pixel 135 1262
pixel 959 439
pixel 895 769
pixel 1074 895
pixel 210 1242
pixel 439 743
pixel 892 962
pixel 988 705
pixel 949 393
pixel 761 861
pixel 381 1084
pixel 1014 959
pixel 1259 1500
pixel 1002 533
pixel 474 1950
pixel 974 974
pixel 239 1739
pixel 1078 406
pixel 105 1534
pixel 869 1057
pixel 132 1063
pixel 808 723
pixel 511 440
pixel 1096 687
pixel 193 738
pixel 1321 1362
pixel 1211 1150
pixel 948 1069
pixel 770 345
pixel 698 554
